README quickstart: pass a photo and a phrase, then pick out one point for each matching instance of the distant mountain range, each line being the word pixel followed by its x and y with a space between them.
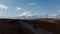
pixel 27 16
pixel 30 16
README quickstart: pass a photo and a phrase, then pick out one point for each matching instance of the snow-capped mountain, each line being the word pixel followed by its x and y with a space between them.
pixel 27 15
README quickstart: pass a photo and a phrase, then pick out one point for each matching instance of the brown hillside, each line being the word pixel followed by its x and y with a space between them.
pixel 49 25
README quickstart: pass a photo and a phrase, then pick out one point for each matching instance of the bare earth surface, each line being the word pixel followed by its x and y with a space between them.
pixel 35 30
pixel 11 26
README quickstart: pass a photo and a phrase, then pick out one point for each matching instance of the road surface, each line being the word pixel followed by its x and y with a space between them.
pixel 35 30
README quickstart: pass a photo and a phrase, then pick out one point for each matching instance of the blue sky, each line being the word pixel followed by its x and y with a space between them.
pixel 16 7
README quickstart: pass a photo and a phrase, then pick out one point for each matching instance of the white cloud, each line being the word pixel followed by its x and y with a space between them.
pixel 3 7
pixel 18 8
pixel 31 3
